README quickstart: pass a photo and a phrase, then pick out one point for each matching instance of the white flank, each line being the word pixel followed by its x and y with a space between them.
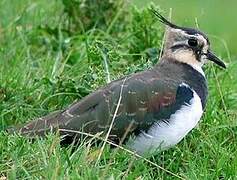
pixel 163 135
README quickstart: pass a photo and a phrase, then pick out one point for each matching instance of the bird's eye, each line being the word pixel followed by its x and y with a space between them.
pixel 192 42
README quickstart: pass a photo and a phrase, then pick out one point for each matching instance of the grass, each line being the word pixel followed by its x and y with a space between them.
pixel 46 63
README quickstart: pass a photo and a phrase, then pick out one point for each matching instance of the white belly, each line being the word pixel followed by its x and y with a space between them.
pixel 164 135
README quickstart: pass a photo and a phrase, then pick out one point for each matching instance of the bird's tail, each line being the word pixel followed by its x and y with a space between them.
pixel 40 126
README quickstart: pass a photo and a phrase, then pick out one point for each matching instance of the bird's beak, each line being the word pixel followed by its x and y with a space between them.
pixel 212 57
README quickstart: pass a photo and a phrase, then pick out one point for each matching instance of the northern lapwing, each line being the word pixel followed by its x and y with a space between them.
pixel 153 109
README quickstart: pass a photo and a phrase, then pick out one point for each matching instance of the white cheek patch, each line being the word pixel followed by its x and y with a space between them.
pixel 187 56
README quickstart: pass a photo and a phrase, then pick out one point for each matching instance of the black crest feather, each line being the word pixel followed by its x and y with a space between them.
pixel 190 31
pixel 163 19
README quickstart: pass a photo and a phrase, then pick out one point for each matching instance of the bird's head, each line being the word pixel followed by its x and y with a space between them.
pixel 187 45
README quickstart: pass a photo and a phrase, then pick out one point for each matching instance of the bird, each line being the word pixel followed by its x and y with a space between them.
pixel 149 110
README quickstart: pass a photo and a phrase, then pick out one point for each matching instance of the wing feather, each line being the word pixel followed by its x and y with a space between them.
pixel 145 100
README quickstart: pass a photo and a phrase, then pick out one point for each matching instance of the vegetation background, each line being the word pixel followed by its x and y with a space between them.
pixel 51 53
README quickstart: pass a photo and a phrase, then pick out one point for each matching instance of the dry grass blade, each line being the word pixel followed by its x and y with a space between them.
pixel 112 122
